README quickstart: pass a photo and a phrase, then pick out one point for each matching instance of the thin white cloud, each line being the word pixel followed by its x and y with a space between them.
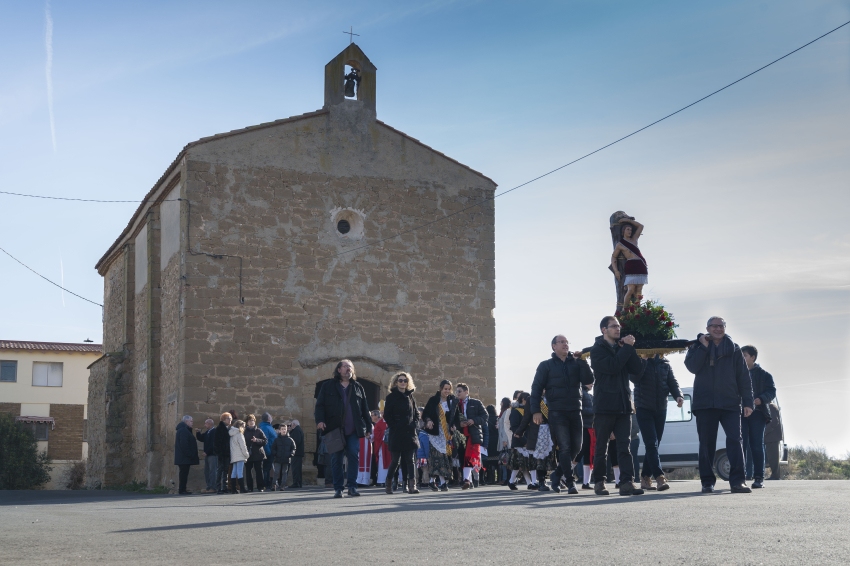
pixel 48 69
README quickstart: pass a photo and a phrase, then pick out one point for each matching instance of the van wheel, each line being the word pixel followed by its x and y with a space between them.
pixel 721 465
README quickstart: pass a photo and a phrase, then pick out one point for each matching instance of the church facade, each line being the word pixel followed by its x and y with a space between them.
pixel 263 256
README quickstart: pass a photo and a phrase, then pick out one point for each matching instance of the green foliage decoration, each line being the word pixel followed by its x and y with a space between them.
pixel 647 320
pixel 22 466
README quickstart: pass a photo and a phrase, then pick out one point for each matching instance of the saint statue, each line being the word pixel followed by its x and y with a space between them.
pixel 352 79
pixel 627 263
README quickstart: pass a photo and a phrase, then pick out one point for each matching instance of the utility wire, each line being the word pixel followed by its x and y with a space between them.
pixel 78 199
pixel 482 201
pixel 48 280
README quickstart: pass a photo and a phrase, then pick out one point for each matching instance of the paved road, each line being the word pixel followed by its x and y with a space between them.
pixel 790 522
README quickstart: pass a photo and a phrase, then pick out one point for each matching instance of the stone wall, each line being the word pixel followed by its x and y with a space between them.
pixel 422 302
pixel 168 406
pixel 115 304
pixel 96 426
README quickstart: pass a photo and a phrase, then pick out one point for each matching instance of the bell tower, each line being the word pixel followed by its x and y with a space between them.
pixel 335 77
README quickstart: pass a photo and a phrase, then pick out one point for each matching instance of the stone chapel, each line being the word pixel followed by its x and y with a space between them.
pixel 263 256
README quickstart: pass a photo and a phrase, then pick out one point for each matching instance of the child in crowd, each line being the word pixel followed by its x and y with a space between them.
pixel 521 460
pixel 422 452
pixel 238 456
pixel 283 448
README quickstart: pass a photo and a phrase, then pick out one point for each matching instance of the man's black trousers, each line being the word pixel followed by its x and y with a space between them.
pixel 621 426
pixel 707 421
pixel 566 429
pixel 183 477
pixel 257 468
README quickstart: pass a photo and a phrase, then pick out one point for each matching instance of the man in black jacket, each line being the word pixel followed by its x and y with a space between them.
pixel 210 460
pixel 341 404
pixel 752 427
pixel 221 443
pixel 561 377
pixel 721 388
pixel 470 419
pixel 652 386
pixel 613 359
pixel 297 436
pixel 185 452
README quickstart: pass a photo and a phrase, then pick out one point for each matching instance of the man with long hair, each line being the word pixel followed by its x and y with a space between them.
pixel 341 405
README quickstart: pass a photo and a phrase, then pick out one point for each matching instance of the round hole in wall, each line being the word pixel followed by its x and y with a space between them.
pixel 347 223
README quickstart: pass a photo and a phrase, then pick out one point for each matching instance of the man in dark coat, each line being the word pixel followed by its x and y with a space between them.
pixel 613 359
pixel 773 440
pixel 561 377
pixel 652 386
pixel 341 404
pixel 297 435
pixel 752 427
pixel 722 390
pixel 185 452
pixel 470 419
pixel 221 444
pixel 210 460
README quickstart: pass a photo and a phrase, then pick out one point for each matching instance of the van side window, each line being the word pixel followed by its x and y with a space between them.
pixel 676 414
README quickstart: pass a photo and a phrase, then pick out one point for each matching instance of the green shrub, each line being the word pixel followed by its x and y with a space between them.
pixel 22 466
pixel 75 475
pixel 813 463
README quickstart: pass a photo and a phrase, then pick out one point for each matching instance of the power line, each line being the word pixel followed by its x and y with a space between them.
pixel 485 199
pixel 48 280
pixel 66 198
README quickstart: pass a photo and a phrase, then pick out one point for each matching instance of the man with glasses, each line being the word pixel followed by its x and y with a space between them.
pixel 612 360
pixel 561 378
pixel 722 387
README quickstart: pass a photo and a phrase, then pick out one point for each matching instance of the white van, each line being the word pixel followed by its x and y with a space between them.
pixel 680 442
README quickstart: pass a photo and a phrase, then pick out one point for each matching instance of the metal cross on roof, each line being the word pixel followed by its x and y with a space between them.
pixel 351 35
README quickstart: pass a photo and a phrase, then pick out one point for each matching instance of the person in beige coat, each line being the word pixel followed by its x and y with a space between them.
pixel 238 456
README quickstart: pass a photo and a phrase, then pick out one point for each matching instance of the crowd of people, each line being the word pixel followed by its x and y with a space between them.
pixel 240 455
pixel 580 421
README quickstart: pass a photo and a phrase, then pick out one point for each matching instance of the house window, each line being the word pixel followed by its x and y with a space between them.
pixel 47 374
pixel 677 414
pixel 8 371
pixel 39 430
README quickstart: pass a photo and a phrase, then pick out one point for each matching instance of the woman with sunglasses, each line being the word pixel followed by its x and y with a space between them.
pixel 403 419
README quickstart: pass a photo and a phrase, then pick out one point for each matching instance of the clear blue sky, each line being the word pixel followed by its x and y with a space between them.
pixel 744 197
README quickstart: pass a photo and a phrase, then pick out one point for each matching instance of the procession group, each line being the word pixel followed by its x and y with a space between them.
pixel 559 423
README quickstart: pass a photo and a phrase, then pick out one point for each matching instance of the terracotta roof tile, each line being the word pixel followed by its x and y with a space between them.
pixel 50 346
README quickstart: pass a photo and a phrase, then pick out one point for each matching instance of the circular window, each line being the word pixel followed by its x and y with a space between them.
pixel 347 223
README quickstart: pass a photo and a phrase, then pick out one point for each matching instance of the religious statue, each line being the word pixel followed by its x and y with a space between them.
pixel 627 263
pixel 352 79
